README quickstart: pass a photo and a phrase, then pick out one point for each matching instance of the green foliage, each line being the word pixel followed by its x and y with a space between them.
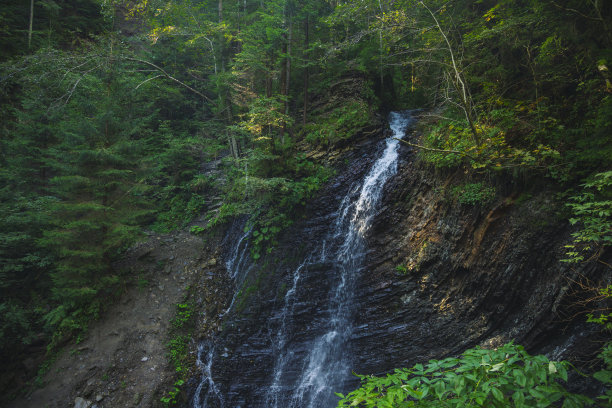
pixel 265 120
pixel 177 351
pixel 456 147
pixel 341 123
pixel 401 269
pixel 98 141
pixel 81 167
pixel 180 191
pixel 243 296
pixel 142 283
pixel 171 398
pixel 183 315
pixel 592 210
pixel 22 270
pixel 272 202
pixel 80 175
pixel 60 23
pixel 178 347
pixel 506 377
pixel 197 230
pixel 473 193
pixel 605 376
pixel 604 317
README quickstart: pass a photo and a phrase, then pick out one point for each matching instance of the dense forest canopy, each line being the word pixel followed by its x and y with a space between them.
pixel 122 116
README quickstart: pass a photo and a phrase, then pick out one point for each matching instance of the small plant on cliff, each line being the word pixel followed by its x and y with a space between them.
pixel 604 315
pixel 401 269
pixel 171 397
pixel 506 377
pixel 474 193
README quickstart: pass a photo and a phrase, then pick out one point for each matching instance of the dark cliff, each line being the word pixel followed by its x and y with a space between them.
pixel 443 276
pixel 439 277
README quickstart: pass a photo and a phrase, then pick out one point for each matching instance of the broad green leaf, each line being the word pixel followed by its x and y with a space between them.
pixel 519 377
pixel 497 394
pixel 518 397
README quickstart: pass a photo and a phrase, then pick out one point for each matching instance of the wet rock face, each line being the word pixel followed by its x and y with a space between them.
pixel 244 357
pixel 439 277
pixel 442 277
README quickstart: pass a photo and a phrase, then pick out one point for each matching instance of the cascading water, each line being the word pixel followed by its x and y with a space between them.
pixel 326 366
pixel 207 383
pixel 311 361
pixel 238 265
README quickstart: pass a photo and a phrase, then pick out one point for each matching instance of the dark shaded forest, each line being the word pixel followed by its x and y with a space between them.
pixel 120 117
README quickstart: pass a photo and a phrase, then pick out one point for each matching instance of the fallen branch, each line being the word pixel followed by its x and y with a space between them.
pixel 431 149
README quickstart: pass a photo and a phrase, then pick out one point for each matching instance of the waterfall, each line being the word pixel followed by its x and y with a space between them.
pixel 308 367
pixel 326 365
pixel 238 265
pixel 207 390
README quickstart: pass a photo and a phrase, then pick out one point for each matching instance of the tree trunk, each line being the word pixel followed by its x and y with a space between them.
pixel 220 37
pixel 306 73
pixel 288 67
pixel 286 77
pixel 31 23
pixel 456 78
pixel 232 139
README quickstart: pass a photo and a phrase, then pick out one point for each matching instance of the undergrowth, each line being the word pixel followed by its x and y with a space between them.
pixel 182 326
pixel 504 377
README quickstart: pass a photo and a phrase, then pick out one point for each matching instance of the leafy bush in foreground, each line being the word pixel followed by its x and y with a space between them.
pixel 506 377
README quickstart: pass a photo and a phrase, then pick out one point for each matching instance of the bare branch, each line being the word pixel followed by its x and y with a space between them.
pixel 433 115
pixel 554 3
pixel 458 82
pixel 167 75
pixel 431 149
pixel 147 80
pixel 70 92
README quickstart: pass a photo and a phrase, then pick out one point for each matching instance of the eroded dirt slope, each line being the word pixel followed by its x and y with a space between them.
pixel 122 362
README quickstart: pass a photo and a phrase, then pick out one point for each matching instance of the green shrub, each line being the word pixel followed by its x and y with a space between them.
pixel 592 210
pixel 473 193
pixel 505 377
pixel 339 124
pixel 197 230
pixel 178 346
pixel 605 375
pixel 184 312
pixel 450 144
